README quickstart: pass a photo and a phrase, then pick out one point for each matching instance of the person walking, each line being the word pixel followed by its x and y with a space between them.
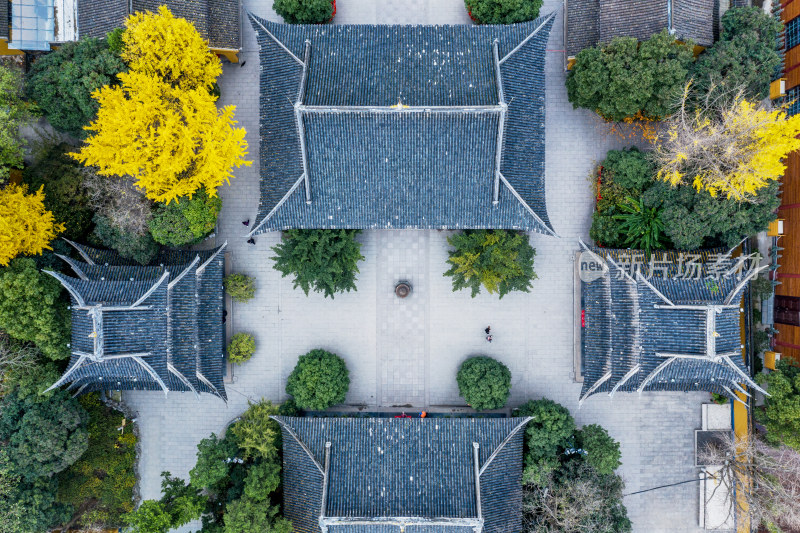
pixel 488 329
pixel 489 338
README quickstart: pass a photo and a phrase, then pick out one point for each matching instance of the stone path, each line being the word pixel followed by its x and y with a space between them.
pixel 407 353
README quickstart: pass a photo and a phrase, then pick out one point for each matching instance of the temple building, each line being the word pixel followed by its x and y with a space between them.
pixel 139 327
pixel 394 127
pixel 395 475
pixel 669 325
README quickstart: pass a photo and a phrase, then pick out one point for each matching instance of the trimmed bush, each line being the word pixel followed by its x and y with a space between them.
pixel 185 221
pixel 602 452
pixel 628 79
pixel 241 348
pixel 503 11
pixel 484 383
pixel 501 261
pixel 319 380
pixel 62 82
pixel 320 259
pixel 304 11
pixel 240 287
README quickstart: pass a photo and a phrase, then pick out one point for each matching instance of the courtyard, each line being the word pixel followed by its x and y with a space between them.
pixel 405 353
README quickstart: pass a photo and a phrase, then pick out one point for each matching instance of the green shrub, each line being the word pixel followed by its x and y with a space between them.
pixel 62 179
pixel 185 221
pixel 320 259
pixel 44 435
pixel 31 308
pixel 100 484
pixel 139 247
pixel 576 499
pixel 257 435
pixel 760 341
pixel 628 79
pixel 641 225
pixel 262 479
pixel 250 516
pixel 115 42
pixel 629 168
pixel 62 82
pixel 602 452
pixel 501 261
pixel 241 348
pixel 304 11
pixel 503 11
pixel 213 458
pixel 240 287
pixel 14 112
pixel 719 399
pixel 289 408
pixel 761 287
pixel 180 504
pixel 484 383
pixel 605 230
pixel 744 58
pixel 781 413
pixel 28 506
pixel 319 380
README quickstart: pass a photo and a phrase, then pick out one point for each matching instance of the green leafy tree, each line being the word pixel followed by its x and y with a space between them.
pixel 499 260
pixel 31 309
pixel 628 79
pixel 781 413
pixel 179 504
pixel 241 348
pixel 629 169
pixel 503 11
pixel 602 452
pixel 320 259
pixel 130 245
pixel 744 58
pixel 484 383
pixel 547 435
pixel 257 434
pixel 576 499
pixel 213 457
pixel 28 507
pixel 14 112
pixel 100 484
pixel 187 220
pixel 64 193
pixel 319 380
pixel 251 516
pixel 641 225
pixel 262 480
pixel 62 82
pixel 240 287
pixel 42 436
pixel 304 11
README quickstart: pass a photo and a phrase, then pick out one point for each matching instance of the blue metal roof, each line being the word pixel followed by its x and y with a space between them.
pixel 398 126
pixel 146 327
pixel 659 331
pixel 385 474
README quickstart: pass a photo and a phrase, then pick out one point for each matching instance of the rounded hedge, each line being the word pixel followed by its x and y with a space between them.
pixel 240 287
pixel 241 348
pixel 304 11
pixel 319 380
pixel 503 11
pixel 484 383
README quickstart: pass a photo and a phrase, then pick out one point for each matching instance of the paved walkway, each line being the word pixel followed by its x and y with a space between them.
pixel 407 352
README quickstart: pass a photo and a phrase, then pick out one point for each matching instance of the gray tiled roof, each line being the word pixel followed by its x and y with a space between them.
pixel 219 21
pixel 590 22
pixel 634 329
pixel 4 14
pixel 385 473
pixel 429 162
pixel 171 340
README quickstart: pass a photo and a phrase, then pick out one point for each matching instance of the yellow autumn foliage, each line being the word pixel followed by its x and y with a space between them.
pixel 172 140
pixel 26 227
pixel 168 47
pixel 734 151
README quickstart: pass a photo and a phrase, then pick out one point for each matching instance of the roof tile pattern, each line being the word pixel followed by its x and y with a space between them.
pixel 171 340
pixel 384 472
pixel 375 163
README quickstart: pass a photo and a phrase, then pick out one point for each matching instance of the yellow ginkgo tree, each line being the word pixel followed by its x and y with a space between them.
pixel 26 227
pixel 161 124
pixel 726 146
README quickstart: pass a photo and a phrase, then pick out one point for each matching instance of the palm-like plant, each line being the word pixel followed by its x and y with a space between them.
pixel 641 225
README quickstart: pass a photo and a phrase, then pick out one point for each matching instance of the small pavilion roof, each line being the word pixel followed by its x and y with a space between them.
pixel 388 475
pixel 139 327
pixel 370 126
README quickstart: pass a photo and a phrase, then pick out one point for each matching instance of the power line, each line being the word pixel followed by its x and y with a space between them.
pixel 666 486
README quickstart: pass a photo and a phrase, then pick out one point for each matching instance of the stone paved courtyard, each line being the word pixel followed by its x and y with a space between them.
pixel 407 352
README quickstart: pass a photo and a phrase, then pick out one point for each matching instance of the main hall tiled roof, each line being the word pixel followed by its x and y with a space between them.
pixel 366 126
